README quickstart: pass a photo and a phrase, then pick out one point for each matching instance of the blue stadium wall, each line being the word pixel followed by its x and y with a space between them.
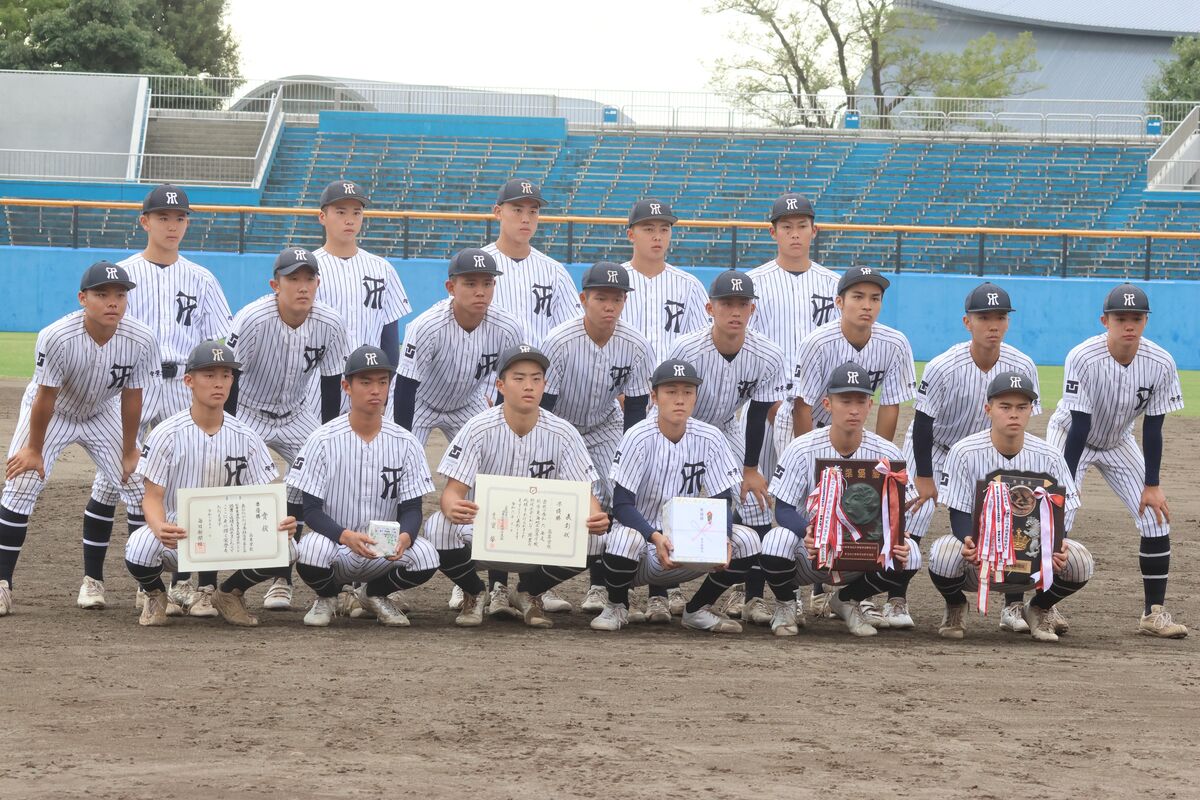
pixel 1052 314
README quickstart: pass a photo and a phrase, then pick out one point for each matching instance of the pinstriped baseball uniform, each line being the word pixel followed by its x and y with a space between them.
pixel 180 455
pixel 537 290
pixel 588 378
pixel 486 445
pixel 454 366
pixel 665 307
pixel 756 373
pixel 953 390
pixel 90 378
pixel 887 357
pixel 1115 396
pixel 359 482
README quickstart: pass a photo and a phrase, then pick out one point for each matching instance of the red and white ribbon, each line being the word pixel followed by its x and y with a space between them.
pixel 893 486
pixel 1044 577
pixel 995 549
pixel 829 521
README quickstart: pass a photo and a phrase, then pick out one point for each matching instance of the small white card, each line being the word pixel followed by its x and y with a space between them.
pixel 386 536
pixel 697 528
pixel 531 521
pixel 232 527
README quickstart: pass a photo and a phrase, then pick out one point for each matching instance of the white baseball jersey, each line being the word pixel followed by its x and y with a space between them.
pixel 588 378
pixel 536 290
pixel 971 459
pixel 182 303
pixel 656 469
pixel 795 475
pixel 665 307
pixel 1115 395
pixel 454 365
pixel 791 305
pixel 179 455
pixel 887 357
pixel 360 481
pixel 365 291
pixel 87 374
pixel 755 373
pixel 280 364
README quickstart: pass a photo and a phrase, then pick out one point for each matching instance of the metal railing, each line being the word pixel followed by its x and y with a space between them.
pixel 268 142
pixel 1141 254
pixel 1166 172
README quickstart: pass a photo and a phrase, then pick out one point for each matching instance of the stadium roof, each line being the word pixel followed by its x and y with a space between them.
pixel 1164 18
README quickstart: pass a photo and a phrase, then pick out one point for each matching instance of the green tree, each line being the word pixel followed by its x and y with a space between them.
pixel 1179 77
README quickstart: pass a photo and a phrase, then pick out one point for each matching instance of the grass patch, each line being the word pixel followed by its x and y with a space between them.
pixel 16 354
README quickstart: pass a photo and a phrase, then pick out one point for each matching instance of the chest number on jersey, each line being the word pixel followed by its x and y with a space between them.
pixel 390 477
pixel 374 292
pixel 691 473
pixel 674 316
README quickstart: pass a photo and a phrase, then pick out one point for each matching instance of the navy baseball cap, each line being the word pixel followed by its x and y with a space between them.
pixel 366 359
pixel 731 283
pixel 343 190
pixel 473 261
pixel 607 275
pixel 987 297
pixel 103 273
pixel 519 189
pixel 862 275
pixel 521 352
pixel 650 209
pixel 291 259
pixel 675 370
pixel 849 377
pixel 1011 383
pixel 792 205
pixel 1127 297
pixel 211 353
pixel 166 197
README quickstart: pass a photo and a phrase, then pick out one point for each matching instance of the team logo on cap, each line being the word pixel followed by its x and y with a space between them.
pixel 612 276
pixel 526 187
pixel 655 208
pixel 111 272
pixel 865 270
pixel 680 370
pixel 479 261
pixel 1014 382
pixel 218 354
pixel 172 198
pixel 300 255
pixel 348 188
pixel 791 204
pixel 524 348
pixel 1129 299
pixel 993 298
pixel 852 377
pixel 372 358
pixel 736 283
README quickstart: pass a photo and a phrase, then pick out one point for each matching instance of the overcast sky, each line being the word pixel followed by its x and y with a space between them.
pixel 615 44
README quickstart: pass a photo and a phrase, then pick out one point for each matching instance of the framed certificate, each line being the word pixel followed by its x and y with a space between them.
pixel 530 522
pixel 232 527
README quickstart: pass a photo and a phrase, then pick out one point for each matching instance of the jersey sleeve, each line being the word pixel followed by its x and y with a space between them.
pixel 695 317
pixel 901 379
pixel 810 383
pixel 931 391
pixel 417 482
pixel 643 368
pixel 631 459
pixel 726 470
pixel 1075 395
pixel 337 350
pixel 1168 393
pixel 575 463
pixel 416 353
pixel 772 384
pixel 241 340
pixel 1030 369
pixel 309 471
pixel 569 307
pixel 49 364
pixel 556 352
pixel 1067 481
pixel 148 366
pixel 395 304
pixel 958 483
pixel 792 480
pixel 262 466
pixel 216 318
pixel 158 456
pixel 461 461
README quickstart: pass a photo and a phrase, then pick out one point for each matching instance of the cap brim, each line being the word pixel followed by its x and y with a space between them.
pixel 184 209
pixel 1028 393
pixel 233 365
pixel 667 218
pixel 461 272
pixel 878 280
pixel 126 284
pixel 732 294
pixel 587 286
pixel 1126 310
pixel 370 368
pixel 364 202
pixel 850 389
pixel 809 214
pixel 536 358
pixel 541 201
pixel 672 379
pixel 990 308
pixel 295 267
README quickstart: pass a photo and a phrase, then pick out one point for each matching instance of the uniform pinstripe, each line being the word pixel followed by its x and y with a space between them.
pixel 665 307
pixel 454 366
pixel 537 290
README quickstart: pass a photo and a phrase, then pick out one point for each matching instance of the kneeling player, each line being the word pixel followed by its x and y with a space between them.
pixel 358 468
pixel 953 559
pixel 199 447
pixel 788 553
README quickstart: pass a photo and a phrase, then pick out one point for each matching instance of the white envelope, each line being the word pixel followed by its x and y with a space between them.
pixel 232 527
pixel 697 528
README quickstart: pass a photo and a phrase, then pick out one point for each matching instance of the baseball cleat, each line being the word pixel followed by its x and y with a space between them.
pixel 676 601
pixel 232 607
pixel 383 609
pixel 400 600
pixel 91 594
pixel 1061 625
pixel 179 598
pixel 614 617
pixel 322 612
pixel 471 613
pixel 532 610
pixel 1041 627
pixel 595 599
pixel 1012 618
pixel 6 601
pixel 755 611
pixel 820 605
pixel 658 611
pixel 953 622
pixel 1157 623
pixel 456 598
pixel 707 620
pixel 500 603
pixel 278 596
pixel 895 614
pixel 154 610
pixel 139 599
pixel 852 614
pixel 872 614
pixel 554 604
pixel 636 615
pixel 202 604
pixel 783 621
pixel 733 602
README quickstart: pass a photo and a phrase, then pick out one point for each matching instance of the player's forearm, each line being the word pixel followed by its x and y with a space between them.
pixel 802 421
pixel 454 493
pixel 1152 446
pixel 960 524
pixel 626 512
pixel 885 421
pixel 635 409
pixel 922 440
pixel 790 517
pixel 405 401
pixel 1077 435
pixel 131 418
pixel 40 415
pixel 152 506
pixel 756 430
pixel 408 514
pixel 331 397
pixel 232 401
pixel 316 519
pixel 389 341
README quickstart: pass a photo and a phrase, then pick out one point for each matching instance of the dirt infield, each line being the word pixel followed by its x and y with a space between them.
pixel 95 705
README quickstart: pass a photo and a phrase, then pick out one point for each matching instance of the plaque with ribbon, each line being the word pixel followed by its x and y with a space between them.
pixel 857 513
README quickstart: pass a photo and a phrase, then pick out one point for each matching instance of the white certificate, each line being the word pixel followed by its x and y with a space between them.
pixel 531 521
pixel 232 527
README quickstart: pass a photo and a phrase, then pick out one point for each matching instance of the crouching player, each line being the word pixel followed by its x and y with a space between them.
pixel 199 447
pixel 953 559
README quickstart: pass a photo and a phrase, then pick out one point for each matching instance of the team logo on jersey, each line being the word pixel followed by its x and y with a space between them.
pixel 185 305
pixel 41 359
pixel 410 351
pixel 540 469
pixel 945 479
pixel 374 292
pixel 313 356
pixel 875 377
pixel 455 451
pixel 234 467
pixel 746 388
pixel 118 374
pixel 487 363
pixel 232 340
pixel 619 375
pixel 617 457
pixel 923 388
pixel 1144 393
pixel 674 311
pixel 799 373
pixel 778 473
pixel 390 478
pixel 298 463
pixel 542 296
pixel 691 473
pixel 145 450
pixel 822 308
pixel 1072 387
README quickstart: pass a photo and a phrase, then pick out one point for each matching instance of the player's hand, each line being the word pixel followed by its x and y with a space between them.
pixel 1060 558
pixel 663 548
pixel 288 524
pixel 728 557
pixel 810 544
pixel 403 542
pixel 169 535
pixel 926 491
pixel 23 461
pixel 969 551
pixel 1153 497
pixel 773 410
pixel 462 512
pixel 359 543
pixel 753 483
pixel 597 523
pixel 129 462
pixel 900 550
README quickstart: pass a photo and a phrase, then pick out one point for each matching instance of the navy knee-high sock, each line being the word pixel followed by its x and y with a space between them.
pixel 13 527
pixel 458 567
pixel 319 579
pixel 618 576
pixel 596 570
pixel 756 581
pixel 780 574
pixel 950 588
pixel 398 579
pixel 243 579
pixel 149 578
pixel 496 576
pixel 97 531
pixel 1061 590
pixel 716 583
pixel 1154 558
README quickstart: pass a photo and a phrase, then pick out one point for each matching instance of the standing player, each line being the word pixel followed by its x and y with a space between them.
pixel 949 406
pixel 358 468
pixel 594 359
pixel 85 362
pixel 284 340
pixel 1109 380
pixel 788 551
pixel 519 439
pixel 1004 445
pixel 199 447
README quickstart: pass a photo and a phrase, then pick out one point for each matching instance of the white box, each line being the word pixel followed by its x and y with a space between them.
pixel 386 536
pixel 697 527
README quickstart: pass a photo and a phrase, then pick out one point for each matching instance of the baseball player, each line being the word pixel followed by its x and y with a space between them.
pixel 85 362
pixel 284 341
pixel 949 406
pixel 595 359
pixel 200 446
pixel 740 367
pixel 355 469
pixel 671 455
pixel 1109 380
pixel 1004 445
pixel 789 550
pixel 519 439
